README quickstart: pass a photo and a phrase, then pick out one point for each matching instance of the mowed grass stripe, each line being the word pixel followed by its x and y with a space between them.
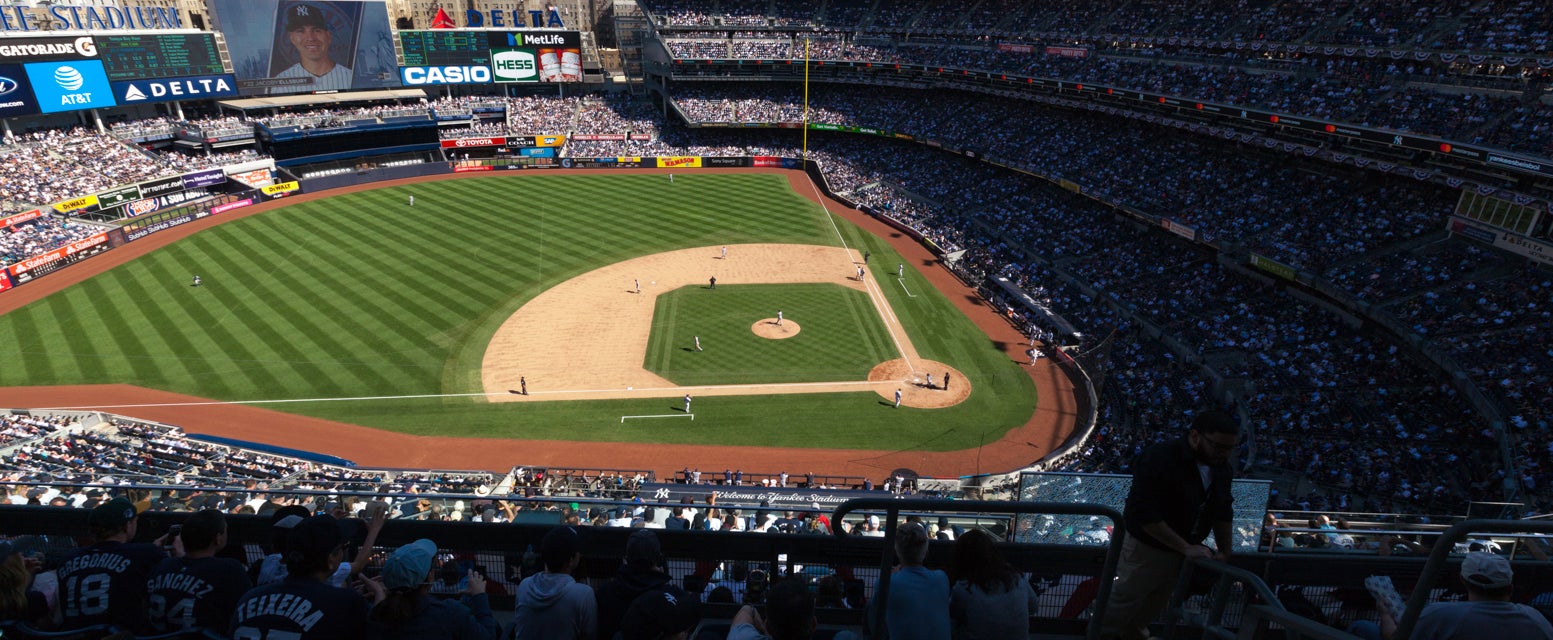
pixel 312 295
pixel 333 331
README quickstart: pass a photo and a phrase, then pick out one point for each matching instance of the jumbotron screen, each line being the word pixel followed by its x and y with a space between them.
pixel 302 46
pixel 454 56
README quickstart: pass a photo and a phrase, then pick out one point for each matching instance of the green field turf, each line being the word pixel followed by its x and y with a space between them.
pixel 362 295
pixel 841 338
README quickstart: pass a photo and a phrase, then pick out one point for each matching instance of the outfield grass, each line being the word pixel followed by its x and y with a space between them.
pixel 361 295
pixel 841 338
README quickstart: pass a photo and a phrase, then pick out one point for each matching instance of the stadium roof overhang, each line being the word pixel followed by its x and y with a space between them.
pixel 309 99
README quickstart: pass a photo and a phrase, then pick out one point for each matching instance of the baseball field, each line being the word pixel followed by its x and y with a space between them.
pixel 587 291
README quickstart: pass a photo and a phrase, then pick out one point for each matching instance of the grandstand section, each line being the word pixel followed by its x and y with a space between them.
pixel 243 272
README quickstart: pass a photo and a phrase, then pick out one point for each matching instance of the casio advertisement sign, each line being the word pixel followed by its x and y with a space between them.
pixel 69 86
pixel 15 93
pixel 515 65
pixel 169 89
pixel 417 76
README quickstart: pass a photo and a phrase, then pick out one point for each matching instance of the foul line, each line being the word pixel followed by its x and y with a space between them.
pixel 208 403
pixel 902 282
pixel 874 294
pixel 662 415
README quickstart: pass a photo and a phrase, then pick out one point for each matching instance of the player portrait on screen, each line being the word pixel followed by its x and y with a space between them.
pixel 312 41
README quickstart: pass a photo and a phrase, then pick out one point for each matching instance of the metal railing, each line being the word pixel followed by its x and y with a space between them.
pixel 893 508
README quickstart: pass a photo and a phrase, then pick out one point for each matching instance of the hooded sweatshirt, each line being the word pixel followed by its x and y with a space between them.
pixel 553 606
pixel 616 596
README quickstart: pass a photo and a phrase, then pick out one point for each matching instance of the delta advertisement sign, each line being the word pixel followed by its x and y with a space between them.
pixel 171 89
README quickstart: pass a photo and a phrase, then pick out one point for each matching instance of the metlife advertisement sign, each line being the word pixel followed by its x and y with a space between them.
pixel 69 86
pixel 15 93
pixel 171 89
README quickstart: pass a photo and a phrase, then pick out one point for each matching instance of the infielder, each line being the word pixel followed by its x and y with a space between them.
pixel 859 274
pixel 779 317
pixel 725 252
pixel 523 385
pixel 897 398
pixel 930 381
pixel 698 343
pixel 687 403
pixel 638 285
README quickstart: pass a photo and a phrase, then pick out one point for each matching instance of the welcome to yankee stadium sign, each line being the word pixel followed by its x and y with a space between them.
pixel 18 18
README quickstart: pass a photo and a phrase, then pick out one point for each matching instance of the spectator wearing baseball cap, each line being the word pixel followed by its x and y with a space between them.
pixel 18 600
pixel 409 611
pixel 1490 583
pixel 665 613
pixel 642 572
pixel 552 605
pixel 304 605
pixel 114 561
pixel 307 29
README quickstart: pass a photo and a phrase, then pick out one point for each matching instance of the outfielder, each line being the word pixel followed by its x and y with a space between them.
pixel 412 201
pixel 196 281
pixel 900 270
pixel 698 343
pixel 687 403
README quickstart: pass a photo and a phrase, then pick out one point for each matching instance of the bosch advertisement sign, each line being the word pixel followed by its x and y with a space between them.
pixel 15 94
pixel 418 76
pixel 170 89
pixel 69 86
pixel 48 49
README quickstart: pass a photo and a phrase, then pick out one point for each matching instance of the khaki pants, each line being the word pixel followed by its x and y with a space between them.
pixel 1145 576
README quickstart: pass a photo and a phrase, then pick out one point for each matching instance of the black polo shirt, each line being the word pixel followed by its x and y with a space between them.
pixel 1168 487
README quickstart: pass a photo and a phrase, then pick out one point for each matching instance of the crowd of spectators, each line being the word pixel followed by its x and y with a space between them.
pixel 27 239
pixel 1506 27
pixel 52 165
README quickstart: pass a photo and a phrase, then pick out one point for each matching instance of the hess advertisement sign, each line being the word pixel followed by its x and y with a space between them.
pixel 514 65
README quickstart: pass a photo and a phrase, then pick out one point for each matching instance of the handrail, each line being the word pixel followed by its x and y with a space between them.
pixel 1258 618
pixel 1437 559
pixel 892 509
pixel 1211 623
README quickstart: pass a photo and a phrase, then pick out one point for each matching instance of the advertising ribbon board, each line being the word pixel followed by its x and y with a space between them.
pixel 39 265
pixel 115 197
pixel 1272 266
pixel 5 279
pixel 679 162
pixel 76 204
pixel 462 143
pixel 203 178
pixel 160 187
pixel 20 218
pixel 776 497
pixel 278 190
pixel 231 205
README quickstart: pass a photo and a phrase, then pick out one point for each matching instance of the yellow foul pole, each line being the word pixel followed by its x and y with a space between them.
pixel 806 98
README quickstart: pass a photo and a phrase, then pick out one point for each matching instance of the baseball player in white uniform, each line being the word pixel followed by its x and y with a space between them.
pixel 698 343
pixel 897 398
pixel 309 33
pixel 779 317
pixel 687 403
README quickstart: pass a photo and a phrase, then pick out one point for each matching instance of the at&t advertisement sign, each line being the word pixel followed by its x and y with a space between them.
pixel 69 86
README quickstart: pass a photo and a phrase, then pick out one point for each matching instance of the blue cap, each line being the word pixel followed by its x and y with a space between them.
pixel 409 565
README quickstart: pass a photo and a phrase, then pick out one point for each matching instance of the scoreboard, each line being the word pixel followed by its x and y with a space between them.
pixel 159 55
pixel 445 48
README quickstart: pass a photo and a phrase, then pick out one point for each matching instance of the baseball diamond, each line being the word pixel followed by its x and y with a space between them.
pixel 345 296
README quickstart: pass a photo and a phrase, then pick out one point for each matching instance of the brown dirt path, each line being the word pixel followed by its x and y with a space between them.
pixel 1053 421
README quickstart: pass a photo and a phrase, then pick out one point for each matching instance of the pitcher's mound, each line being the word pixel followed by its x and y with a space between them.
pixel 913 384
pixel 768 328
